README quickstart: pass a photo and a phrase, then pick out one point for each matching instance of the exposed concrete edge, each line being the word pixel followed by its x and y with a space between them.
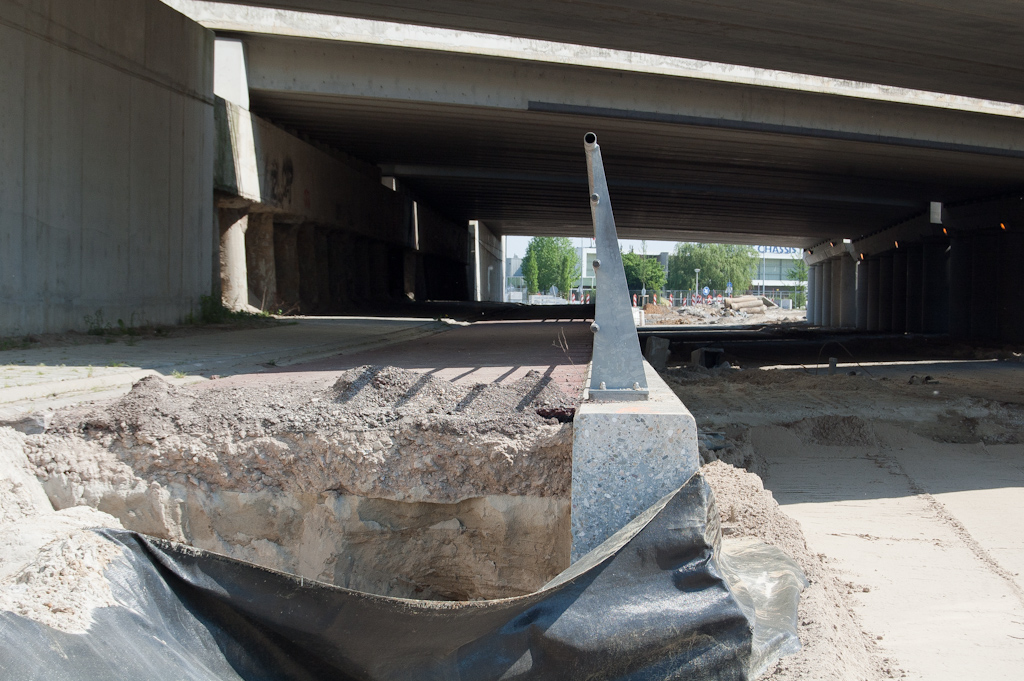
pixel 247 19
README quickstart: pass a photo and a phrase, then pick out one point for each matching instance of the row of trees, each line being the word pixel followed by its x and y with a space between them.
pixel 555 262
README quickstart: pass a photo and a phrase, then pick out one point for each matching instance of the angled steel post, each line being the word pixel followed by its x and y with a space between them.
pixel 617 372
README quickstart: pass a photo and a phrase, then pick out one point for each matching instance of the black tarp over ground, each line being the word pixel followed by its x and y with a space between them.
pixel 650 603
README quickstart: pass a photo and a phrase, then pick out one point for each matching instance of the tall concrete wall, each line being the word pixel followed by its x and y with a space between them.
pixel 106 140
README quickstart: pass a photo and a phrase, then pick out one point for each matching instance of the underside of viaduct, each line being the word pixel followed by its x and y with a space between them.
pixel 154 153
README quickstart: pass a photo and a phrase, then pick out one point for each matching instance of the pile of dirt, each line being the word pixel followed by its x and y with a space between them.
pixel 51 563
pixel 696 315
pixel 385 480
pixel 64 583
pixel 378 432
pixel 834 648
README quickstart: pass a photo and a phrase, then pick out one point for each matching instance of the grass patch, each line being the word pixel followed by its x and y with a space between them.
pixel 212 311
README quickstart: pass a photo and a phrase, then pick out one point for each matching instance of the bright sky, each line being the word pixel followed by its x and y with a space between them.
pixel 516 245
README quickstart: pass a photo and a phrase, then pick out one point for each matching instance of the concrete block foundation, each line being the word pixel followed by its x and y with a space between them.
pixel 625 457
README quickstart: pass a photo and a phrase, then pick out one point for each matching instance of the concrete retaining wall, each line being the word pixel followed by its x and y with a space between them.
pixel 257 161
pixel 376 244
pixel 106 142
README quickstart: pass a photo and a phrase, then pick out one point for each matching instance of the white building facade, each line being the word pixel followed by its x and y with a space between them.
pixel 773 271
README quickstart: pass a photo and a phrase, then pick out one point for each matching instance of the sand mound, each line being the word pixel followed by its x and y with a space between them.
pixel 836 431
pixel 64 583
pixel 834 647
pixel 51 564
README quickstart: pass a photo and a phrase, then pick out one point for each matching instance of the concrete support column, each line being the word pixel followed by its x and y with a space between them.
pixel 826 293
pixel 862 295
pixel 885 292
pixel 259 260
pixel 985 286
pixel 409 271
pixel 872 322
pixel 936 288
pixel 323 271
pixel 848 288
pixel 810 293
pixel 819 273
pixel 286 258
pixel 899 290
pixel 1011 283
pixel 339 252
pixel 961 267
pixel 309 292
pixel 915 279
pixel 233 284
pixel 837 292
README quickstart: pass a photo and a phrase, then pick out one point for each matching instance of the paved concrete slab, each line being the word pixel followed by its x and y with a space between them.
pixel 929 542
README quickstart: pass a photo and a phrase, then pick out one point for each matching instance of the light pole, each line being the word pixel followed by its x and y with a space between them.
pixel 696 281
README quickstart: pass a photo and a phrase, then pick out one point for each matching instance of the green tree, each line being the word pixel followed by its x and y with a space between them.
pixel 798 272
pixel 718 263
pixel 568 272
pixel 643 272
pixel 529 266
pixel 556 262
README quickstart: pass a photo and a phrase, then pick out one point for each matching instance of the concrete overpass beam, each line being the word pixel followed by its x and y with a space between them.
pixel 234 284
pixel 915 279
pixel 899 290
pixel 848 287
pixel 862 295
pixel 837 292
pixel 261 271
pixel 873 293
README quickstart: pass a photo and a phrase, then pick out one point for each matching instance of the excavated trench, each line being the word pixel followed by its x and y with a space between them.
pixel 384 481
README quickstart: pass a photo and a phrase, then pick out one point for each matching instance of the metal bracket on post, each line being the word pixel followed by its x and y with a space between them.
pixel 617 372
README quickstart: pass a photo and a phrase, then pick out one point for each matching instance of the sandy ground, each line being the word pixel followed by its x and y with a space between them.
pixel 717 316
pixel 910 490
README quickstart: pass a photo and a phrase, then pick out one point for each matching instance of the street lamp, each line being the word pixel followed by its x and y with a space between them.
pixel 696 281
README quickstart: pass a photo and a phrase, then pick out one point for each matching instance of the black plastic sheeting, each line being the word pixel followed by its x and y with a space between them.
pixel 650 603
